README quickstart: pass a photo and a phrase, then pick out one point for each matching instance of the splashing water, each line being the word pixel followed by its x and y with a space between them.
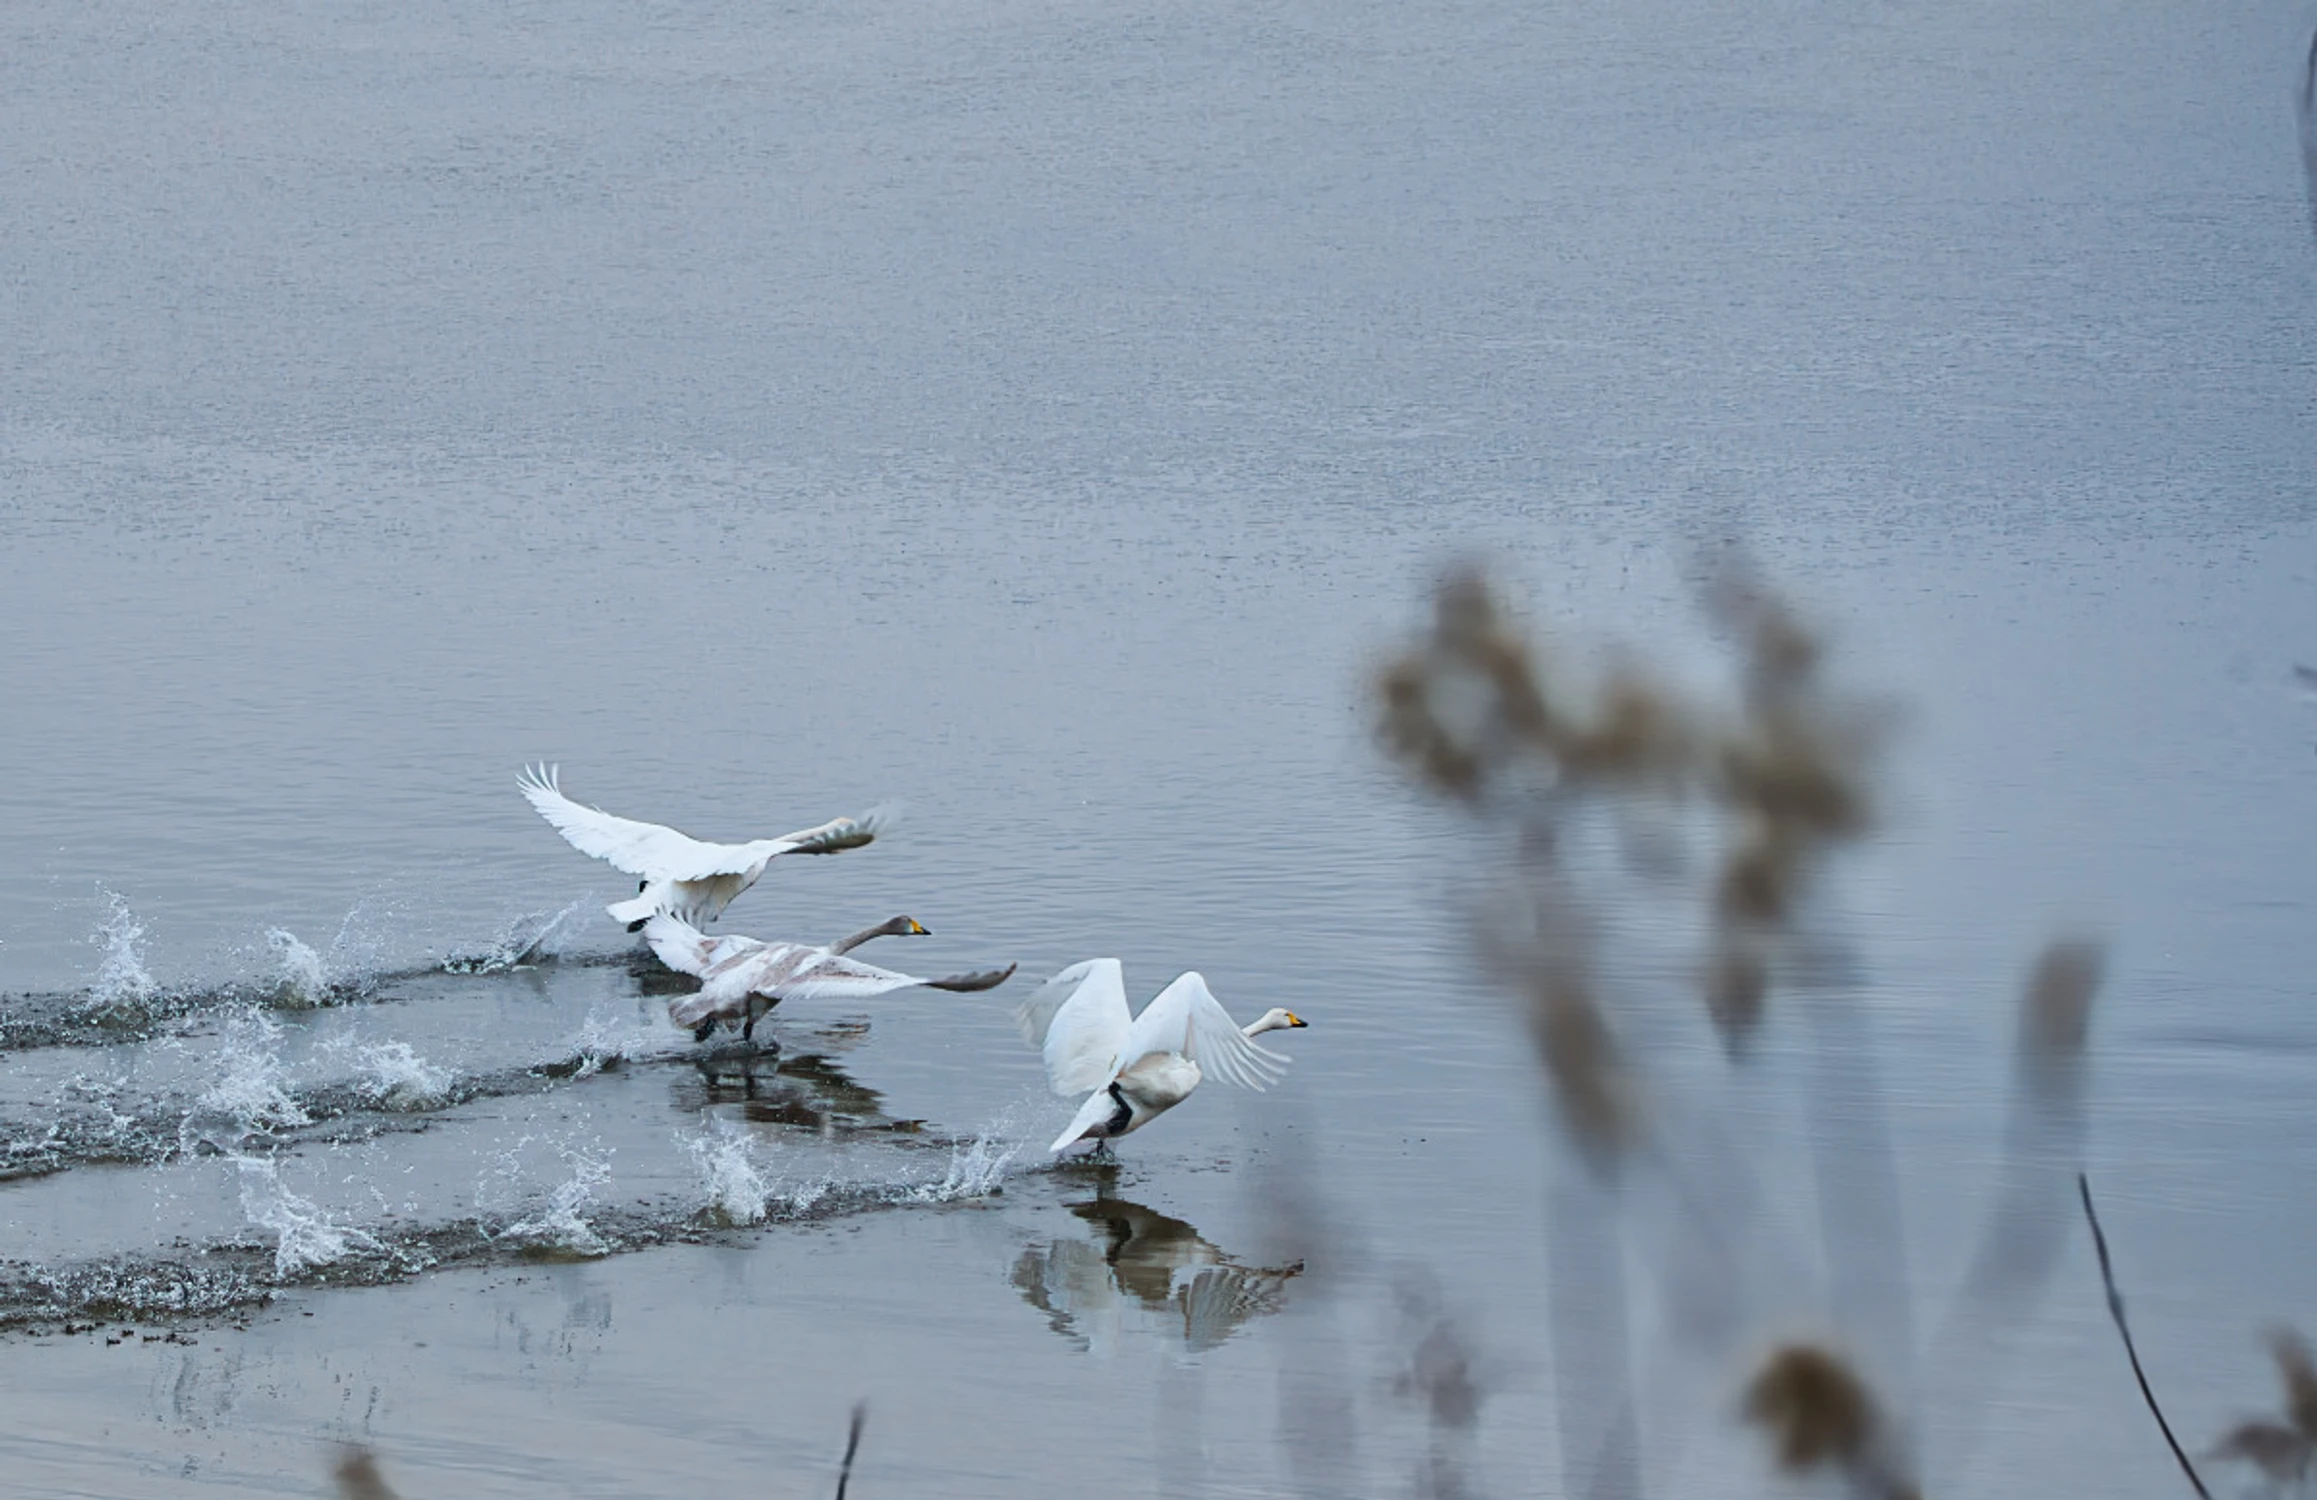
pixel 560 1227
pixel 725 1155
pixel 606 1041
pixel 250 1096
pixel 535 937
pixel 395 1077
pixel 304 1236
pixel 122 983
pixel 975 1170
pixel 302 980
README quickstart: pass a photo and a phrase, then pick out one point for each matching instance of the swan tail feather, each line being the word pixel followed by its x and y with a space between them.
pixel 641 909
pixel 1093 1112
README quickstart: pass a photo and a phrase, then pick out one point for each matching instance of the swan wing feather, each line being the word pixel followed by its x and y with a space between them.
pixel 1079 1020
pixel 647 849
pixel 688 950
pixel 839 834
pixel 1187 1018
pixel 835 977
pixel 661 853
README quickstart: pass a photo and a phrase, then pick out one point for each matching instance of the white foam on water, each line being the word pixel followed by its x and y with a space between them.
pixel 122 979
pixel 724 1153
pixel 301 979
pixel 304 1235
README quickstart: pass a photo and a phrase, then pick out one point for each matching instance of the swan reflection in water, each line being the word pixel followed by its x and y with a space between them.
pixel 805 1090
pixel 1142 1272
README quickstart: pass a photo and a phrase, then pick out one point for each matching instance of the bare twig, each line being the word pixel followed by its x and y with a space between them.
pixel 852 1446
pixel 2116 1311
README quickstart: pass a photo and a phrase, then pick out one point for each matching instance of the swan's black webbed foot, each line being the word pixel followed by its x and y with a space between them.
pixel 637 926
pixel 704 1030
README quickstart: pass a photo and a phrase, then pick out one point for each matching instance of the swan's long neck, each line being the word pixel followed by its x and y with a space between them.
pixel 847 945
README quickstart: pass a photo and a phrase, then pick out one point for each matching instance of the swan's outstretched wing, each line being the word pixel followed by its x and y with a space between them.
pixel 838 978
pixel 1079 1019
pixel 1187 1018
pixel 659 853
pixel 688 950
pixel 839 834
pixel 739 967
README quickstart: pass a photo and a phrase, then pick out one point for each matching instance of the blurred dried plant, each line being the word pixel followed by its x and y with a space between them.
pixel 1443 1379
pixel 357 1476
pixel 1480 713
pixel 2281 1449
pixel 1819 1415
pixel 2305 110
pixel 1772 778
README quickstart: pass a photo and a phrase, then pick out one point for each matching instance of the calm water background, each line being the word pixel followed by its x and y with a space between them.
pixel 1044 415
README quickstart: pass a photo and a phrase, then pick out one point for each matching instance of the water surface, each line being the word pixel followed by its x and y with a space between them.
pixel 1046 418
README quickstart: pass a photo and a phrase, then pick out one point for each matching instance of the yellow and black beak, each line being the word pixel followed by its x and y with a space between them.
pixel 919 929
pixel 1295 1020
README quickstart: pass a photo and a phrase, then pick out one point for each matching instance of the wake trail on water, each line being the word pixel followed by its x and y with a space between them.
pixel 304 1124
pixel 123 1002
pixel 524 1213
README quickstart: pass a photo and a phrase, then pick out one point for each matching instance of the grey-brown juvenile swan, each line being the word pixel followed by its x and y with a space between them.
pixel 741 978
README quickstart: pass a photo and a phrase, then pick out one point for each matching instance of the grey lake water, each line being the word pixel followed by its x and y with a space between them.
pixel 1047 416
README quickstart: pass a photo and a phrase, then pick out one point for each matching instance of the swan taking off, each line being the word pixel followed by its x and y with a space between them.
pixel 1139 1067
pixel 681 875
pixel 742 978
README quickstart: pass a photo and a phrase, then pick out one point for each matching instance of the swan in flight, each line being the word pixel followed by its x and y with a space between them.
pixel 681 875
pixel 741 978
pixel 1139 1067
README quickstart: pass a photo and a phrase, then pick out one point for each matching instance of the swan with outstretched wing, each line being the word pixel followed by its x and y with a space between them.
pixel 679 875
pixel 741 978
pixel 1135 1068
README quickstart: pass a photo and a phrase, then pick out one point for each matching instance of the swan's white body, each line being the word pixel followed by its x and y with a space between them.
pixel 741 977
pixel 682 876
pixel 1139 1067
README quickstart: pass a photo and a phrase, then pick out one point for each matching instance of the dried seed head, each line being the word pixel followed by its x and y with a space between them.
pixel 1814 1408
pixel 1797 775
pixel 2300 1378
pixel 1758 879
pixel 357 1476
pixel 2055 1014
pixel 1413 733
pixel 1737 986
pixel 2275 1449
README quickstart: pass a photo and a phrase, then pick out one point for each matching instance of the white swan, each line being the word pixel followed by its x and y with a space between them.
pixel 1139 1067
pixel 681 875
pixel 742 978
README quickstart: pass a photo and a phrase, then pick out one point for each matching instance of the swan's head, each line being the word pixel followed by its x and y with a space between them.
pixel 904 927
pixel 1278 1018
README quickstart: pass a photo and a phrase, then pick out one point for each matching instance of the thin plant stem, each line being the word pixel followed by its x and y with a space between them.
pixel 852 1446
pixel 2116 1312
